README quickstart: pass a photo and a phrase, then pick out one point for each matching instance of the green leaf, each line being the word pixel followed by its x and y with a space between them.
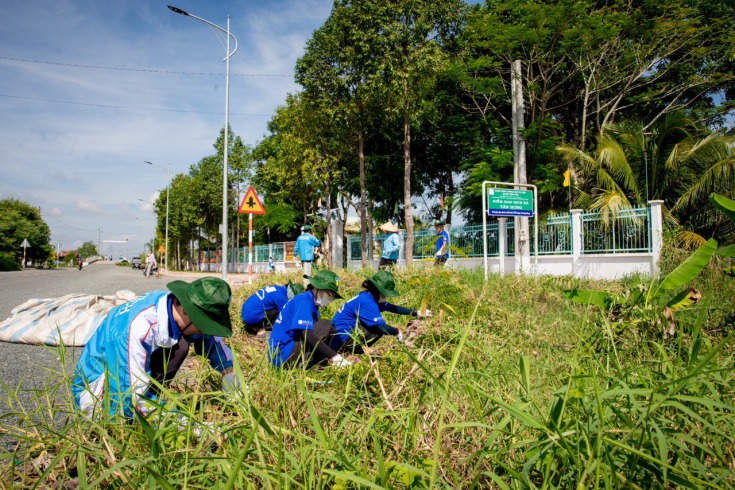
pixel 524 366
pixel 690 268
pixel 728 251
pixel 724 204
pixel 601 299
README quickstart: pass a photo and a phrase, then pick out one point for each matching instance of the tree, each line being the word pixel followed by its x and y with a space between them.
pixel 342 78
pixel 412 59
pixel 588 64
pixel 88 249
pixel 20 221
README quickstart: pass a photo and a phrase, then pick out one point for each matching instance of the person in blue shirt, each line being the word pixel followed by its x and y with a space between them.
pixel 298 336
pixel 391 246
pixel 261 309
pixel 359 322
pixel 442 244
pixel 304 249
pixel 149 338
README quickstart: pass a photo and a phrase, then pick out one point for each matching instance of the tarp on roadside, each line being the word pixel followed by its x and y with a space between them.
pixel 71 319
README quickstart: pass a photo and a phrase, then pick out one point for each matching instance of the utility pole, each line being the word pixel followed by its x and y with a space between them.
pixel 522 254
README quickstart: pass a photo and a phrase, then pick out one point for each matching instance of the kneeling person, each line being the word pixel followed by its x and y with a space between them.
pixel 149 337
pixel 298 336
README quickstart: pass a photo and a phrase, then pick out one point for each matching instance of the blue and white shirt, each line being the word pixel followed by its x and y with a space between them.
pixel 391 247
pixel 114 367
pixel 441 241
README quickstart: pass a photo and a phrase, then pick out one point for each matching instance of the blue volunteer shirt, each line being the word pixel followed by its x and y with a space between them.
pixel 299 314
pixel 362 309
pixel 443 238
pixel 305 247
pixel 265 299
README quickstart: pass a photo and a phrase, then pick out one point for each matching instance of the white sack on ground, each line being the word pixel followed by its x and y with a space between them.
pixel 71 319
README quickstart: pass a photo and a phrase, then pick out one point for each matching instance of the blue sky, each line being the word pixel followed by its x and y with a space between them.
pixel 91 89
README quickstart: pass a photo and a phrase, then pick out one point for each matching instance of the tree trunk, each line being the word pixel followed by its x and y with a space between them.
pixel 328 238
pixel 363 196
pixel 408 213
pixel 450 192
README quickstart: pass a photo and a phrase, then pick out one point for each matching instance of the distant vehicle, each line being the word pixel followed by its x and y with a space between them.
pixel 137 263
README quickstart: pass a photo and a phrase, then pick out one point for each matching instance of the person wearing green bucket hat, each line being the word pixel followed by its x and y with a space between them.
pixel 261 309
pixel 359 322
pixel 298 336
pixel 149 338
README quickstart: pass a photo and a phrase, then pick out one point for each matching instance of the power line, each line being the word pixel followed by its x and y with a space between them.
pixel 144 70
pixel 109 106
pixel 65 224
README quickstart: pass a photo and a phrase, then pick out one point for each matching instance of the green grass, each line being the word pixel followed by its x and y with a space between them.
pixel 510 386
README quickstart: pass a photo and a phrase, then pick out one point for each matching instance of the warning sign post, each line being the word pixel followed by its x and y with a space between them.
pixel 251 205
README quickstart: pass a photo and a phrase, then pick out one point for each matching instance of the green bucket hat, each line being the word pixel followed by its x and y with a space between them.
pixel 325 280
pixel 306 228
pixel 206 302
pixel 385 282
pixel 438 223
pixel 294 289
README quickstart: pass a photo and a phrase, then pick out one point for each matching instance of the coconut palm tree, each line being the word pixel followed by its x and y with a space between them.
pixel 674 160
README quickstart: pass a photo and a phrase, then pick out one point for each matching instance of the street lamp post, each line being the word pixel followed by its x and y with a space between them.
pixel 225 262
pixel 168 186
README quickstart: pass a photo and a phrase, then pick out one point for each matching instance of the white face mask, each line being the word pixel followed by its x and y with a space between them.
pixel 323 299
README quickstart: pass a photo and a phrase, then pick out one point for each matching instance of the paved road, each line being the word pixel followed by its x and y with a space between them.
pixel 31 367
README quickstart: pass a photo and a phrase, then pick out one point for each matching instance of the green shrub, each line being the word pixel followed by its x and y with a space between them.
pixel 8 262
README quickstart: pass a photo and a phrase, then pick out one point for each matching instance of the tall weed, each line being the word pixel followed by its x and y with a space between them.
pixel 511 386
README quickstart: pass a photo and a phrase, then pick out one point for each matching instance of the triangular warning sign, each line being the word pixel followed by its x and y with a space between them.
pixel 251 204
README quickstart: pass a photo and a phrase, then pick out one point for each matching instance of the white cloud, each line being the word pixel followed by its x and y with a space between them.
pixel 84 205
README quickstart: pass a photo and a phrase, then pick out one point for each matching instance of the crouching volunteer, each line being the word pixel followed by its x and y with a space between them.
pixel 149 337
pixel 359 322
pixel 299 337
pixel 261 310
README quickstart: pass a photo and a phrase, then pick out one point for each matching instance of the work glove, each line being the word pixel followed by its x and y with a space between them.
pixel 230 384
pixel 424 314
pixel 340 362
pixel 399 337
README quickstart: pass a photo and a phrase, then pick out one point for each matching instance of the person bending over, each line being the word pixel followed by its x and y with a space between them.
pixel 149 338
pixel 261 310
pixel 359 322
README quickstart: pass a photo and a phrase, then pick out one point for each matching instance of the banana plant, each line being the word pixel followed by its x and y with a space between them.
pixel 640 303
pixel 727 206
